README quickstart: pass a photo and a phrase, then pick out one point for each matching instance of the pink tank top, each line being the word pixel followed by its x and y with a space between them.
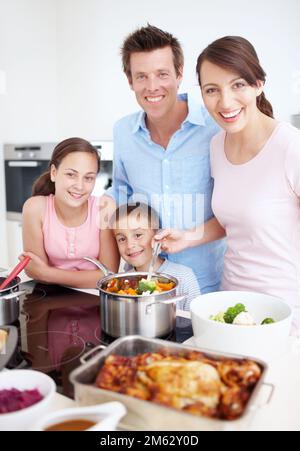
pixel 65 246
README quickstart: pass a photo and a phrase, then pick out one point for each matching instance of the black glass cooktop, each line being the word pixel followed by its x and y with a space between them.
pixel 57 325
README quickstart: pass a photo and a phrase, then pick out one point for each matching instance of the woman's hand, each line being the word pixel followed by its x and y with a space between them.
pixel 173 241
pixel 37 268
pixel 177 240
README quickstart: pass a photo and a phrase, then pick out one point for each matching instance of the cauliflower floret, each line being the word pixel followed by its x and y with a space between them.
pixel 244 319
pixel 219 317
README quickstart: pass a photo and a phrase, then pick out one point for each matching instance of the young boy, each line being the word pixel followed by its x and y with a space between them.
pixel 134 227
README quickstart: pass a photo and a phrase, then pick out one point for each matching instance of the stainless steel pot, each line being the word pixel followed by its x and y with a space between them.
pixel 10 302
pixel 150 316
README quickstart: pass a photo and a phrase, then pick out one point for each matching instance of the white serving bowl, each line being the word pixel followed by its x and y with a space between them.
pixel 22 420
pixel 262 341
pixel 106 416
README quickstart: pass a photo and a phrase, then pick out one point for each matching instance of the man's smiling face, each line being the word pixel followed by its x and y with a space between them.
pixel 154 81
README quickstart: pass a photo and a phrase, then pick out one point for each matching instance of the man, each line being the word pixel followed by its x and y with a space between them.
pixel 161 154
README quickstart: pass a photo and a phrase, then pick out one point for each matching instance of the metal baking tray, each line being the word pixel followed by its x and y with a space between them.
pixel 10 345
pixel 147 415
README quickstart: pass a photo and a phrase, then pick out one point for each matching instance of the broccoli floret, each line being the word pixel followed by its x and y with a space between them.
pixel 145 285
pixel 219 317
pixel 232 312
pixel 268 321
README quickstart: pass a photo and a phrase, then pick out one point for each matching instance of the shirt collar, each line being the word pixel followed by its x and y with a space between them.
pixel 140 122
pixel 195 114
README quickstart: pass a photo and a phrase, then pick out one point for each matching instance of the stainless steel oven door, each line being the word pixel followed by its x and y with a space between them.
pixel 19 178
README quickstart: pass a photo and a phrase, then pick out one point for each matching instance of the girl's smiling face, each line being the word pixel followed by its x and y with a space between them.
pixel 229 99
pixel 75 178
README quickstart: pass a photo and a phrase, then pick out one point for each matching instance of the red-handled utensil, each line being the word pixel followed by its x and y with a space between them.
pixel 15 272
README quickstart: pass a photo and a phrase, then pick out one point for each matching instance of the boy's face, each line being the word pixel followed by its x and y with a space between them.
pixel 134 238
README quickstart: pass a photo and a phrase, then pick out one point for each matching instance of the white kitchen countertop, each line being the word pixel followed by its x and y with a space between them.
pixel 282 412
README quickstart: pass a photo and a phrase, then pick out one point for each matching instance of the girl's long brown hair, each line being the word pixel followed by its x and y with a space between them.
pixel 238 55
pixel 43 186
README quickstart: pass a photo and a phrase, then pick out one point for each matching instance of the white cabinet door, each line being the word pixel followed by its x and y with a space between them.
pixel 14 242
pixel 3 244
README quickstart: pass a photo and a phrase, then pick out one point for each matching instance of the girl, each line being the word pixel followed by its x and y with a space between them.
pixel 61 222
pixel 255 163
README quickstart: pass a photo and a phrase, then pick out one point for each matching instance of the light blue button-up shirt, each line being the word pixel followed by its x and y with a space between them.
pixel 176 181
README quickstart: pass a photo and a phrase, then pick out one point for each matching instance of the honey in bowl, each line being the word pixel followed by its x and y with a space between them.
pixel 72 425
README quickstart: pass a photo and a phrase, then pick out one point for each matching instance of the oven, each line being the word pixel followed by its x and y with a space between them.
pixel 23 165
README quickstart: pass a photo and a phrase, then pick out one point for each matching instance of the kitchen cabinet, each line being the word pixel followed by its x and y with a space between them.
pixel 14 241
pixel 3 243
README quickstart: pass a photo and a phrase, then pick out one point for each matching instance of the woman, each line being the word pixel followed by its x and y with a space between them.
pixel 255 163
pixel 61 222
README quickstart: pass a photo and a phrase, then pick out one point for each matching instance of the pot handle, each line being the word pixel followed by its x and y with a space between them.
pixel 166 302
pixel 87 356
pixel 269 398
pixel 100 265
pixel 12 295
pixel 271 393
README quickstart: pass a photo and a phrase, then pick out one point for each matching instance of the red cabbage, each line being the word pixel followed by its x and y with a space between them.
pixel 13 399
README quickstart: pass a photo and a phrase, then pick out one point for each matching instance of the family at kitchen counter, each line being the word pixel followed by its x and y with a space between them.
pixel 231 165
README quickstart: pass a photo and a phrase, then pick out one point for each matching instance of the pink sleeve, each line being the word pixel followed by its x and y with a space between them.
pixel 214 147
pixel 292 165
pixel 211 161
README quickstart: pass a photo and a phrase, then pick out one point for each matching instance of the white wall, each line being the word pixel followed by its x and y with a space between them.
pixel 28 58
pixel 93 91
pixel 90 78
pixel 63 68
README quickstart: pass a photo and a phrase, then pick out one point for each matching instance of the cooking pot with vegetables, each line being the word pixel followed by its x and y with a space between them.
pixel 131 305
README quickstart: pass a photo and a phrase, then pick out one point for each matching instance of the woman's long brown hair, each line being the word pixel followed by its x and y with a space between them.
pixel 237 55
pixel 43 186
